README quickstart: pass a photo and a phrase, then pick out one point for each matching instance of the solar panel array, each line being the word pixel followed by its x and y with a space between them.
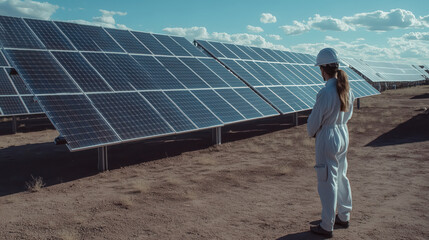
pixel 101 86
pixel 288 80
pixel 423 70
pixel 15 99
pixel 377 71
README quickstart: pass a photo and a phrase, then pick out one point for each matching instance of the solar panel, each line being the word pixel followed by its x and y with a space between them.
pixel 222 72
pixel 17 81
pixel 204 72
pixel 170 112
pixel 79 69
pixel 239 103
pixel 89 38
pixel 11 105
pixel 130 115
pixel 210 49
pixel 78 121
pixel 32 105
pixel 14 33
pixel 171 45
pixel 242 72
pixel 293 101
pixel 49 34
pixel 6 87
pixel 121 85
pixel 188 46
pixel 285 79
pixel 151 43
pixel 262 106
pixel 219 106
pixel 275 100
pixel 165 80
pixel 109 71
pixel 3 62
pixel 127 41
pixel 137 76
pixel 185 75
pixel 41 72
pixel 377 71
pixel 194 109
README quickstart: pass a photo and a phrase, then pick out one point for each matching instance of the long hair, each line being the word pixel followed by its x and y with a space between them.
pixel 343 86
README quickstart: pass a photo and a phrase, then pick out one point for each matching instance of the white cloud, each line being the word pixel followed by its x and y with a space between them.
pixel 296 29
pixel 373 21
pixel 27 8
pixel 417 36
pixel 317 22
pixel 328 23
pixel 105 20
pixel 237 38
pixel 190 33
pixel 254 29
pixel 275 37
pixel 413 46
pixel 425 19
pixel 268 18
pixel 384 21
pixel 330 38
pixel 358 40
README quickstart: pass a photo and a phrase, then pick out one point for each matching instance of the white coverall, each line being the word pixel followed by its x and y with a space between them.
pixel 329 125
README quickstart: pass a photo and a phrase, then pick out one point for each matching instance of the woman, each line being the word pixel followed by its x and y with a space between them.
pixel 328 123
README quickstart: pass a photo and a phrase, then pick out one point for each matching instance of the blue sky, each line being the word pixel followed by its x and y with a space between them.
pixel 388 30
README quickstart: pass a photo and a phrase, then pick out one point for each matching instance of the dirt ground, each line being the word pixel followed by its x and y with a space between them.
pixel 259 184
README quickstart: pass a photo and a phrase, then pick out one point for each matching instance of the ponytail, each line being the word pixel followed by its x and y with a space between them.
pixel 343 88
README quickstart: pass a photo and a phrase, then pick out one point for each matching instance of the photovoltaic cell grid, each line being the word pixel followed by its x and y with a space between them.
pixel 377 71
pixel 105 86
pixel 288 80
pixel 15 99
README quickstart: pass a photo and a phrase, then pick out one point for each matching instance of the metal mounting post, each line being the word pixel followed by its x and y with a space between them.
pixel 14 126
pixel 102 159
pixel 295 119
pixel 217 136
pixel 358 103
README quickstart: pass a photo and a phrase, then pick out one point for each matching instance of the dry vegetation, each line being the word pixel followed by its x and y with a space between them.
pixel 35 184
pixel 259 184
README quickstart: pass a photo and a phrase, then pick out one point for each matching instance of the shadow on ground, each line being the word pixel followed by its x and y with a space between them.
pixel 414 130
pixel 301 236
pixel 421 96
pixel 55 164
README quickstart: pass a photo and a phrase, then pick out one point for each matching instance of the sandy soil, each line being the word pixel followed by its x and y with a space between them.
pixel 259 184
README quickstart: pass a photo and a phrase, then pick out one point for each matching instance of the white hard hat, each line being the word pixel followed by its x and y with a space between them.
pixel 326 56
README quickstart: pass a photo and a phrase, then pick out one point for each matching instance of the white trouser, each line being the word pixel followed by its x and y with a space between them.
pixel 331 167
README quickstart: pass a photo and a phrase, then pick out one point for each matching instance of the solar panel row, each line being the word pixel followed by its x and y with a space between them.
pixel 377 71
pixel 104 86
pixel 289 81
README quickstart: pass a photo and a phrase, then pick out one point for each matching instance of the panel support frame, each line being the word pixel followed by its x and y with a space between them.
pixel 217 136
pixel 358 103
pixel 103 164
pixel 14 125
pixel 295 119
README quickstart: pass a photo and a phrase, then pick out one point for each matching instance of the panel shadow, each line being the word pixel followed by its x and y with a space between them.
pixel 415 129
pixel 55 164
pixel 421 96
